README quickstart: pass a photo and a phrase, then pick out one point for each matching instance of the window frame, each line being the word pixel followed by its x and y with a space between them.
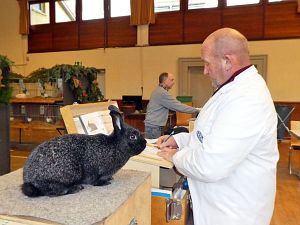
pixel 101 33
pixel 190 26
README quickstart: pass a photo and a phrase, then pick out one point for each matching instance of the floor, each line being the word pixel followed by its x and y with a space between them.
pixel 287 209
pixel 287 205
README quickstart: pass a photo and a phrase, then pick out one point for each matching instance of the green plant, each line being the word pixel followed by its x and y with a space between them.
pixel 73 75
pixel 5 89
pixel 41 75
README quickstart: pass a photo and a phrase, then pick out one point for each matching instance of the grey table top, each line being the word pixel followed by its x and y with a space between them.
pixel 90 205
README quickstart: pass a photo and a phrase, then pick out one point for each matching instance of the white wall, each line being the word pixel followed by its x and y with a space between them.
pixel 129 69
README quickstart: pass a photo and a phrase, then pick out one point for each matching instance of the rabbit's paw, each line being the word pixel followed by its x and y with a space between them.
pixel 102 181
pixel 75 188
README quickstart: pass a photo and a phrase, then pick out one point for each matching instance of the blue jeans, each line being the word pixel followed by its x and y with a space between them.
pixel 152 132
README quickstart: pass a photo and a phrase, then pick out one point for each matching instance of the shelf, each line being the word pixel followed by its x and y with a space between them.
pixel 39 125
pixel 36 100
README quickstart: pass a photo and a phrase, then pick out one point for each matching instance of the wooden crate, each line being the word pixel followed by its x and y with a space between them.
pixel 158 212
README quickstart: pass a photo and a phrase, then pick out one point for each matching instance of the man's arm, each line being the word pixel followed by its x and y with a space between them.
pixel 173 104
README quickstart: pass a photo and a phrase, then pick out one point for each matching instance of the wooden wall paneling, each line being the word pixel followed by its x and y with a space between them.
pixel 168 29
pixel 198 24
pixel 65 36
pixel 135 120
pixel 282 20
pixel 121 33
pixel 40 38
pixel 91 34
pixel 246 19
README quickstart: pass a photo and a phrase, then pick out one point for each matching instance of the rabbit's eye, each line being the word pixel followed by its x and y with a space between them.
pixel 132 137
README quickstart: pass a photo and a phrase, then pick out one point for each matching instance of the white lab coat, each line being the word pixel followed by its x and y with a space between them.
pixel 230 158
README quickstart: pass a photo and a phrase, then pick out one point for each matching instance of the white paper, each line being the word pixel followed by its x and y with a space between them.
pixel 151 141
pixel 93 123
pixel 106 119
pixel 151 152
pixel 165 193
pixel 78 125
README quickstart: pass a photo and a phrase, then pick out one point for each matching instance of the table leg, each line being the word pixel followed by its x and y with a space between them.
pixel 20 136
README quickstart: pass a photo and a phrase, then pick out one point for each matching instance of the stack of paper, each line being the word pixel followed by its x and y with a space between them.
pixel 151 152
pixel 161 192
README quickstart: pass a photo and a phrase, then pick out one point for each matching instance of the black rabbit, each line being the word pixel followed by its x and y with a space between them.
pixel 60 166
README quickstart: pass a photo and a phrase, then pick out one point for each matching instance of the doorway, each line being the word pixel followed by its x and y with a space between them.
pixel 192 81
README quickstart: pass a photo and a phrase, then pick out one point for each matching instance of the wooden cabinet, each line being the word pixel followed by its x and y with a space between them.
pixel 182 119
pixel 136 120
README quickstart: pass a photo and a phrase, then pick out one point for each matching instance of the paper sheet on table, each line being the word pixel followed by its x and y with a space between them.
pixel 151 152
pixel 151 141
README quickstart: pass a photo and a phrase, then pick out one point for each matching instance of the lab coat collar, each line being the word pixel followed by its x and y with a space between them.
pixel 232 77
pixel 246 70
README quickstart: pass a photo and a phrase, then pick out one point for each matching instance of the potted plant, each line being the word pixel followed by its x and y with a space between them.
pixel 80 83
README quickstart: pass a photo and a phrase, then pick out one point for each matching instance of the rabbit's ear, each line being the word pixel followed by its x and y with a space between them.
pixel 113 108
pixel 116 118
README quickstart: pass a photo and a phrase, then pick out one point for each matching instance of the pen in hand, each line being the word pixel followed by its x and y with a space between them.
pixel 169 136
pixel 169 151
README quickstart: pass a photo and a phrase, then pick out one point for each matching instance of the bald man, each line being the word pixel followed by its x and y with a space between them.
pixel 230 157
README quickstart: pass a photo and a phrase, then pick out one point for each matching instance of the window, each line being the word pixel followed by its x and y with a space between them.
pixel 166 5
pixel 80 24
pixel 119 8
pixel 201 4
pixel 39 13
pixel 280 0
pixel 92 9
pixel 239 2
pixel 65 11
pixel 39 7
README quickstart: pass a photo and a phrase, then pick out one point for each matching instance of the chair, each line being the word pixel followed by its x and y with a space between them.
pixel 284 116
pixel 284 119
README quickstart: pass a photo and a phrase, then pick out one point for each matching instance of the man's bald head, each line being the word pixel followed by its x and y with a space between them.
pixel 227 41
pixel 224 52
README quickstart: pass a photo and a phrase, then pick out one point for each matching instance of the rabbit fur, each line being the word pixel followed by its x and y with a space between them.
pixel 62 165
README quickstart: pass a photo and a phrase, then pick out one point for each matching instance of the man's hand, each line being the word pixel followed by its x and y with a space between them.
pixel 167 153
pixel 169 143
